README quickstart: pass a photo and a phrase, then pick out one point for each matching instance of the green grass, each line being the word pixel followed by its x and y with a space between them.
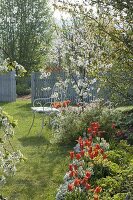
pixel 39 177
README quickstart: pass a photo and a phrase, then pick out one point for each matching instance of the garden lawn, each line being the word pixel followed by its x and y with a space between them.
pixel 39 176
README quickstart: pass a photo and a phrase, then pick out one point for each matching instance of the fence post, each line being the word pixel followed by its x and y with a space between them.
pixel 8 87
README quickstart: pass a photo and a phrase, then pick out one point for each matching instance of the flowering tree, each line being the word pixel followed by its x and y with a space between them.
pixel 110 24
pixel 80 50
pixel 9 156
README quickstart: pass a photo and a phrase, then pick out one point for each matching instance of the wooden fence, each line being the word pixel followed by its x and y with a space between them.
pixel 37 84
pixel 8 87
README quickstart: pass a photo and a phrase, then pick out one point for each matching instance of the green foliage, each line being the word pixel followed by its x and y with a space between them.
pixel 77 195
pixel 105 168
pixel 110 184
pixel 25 29
pixel 67 127
pixel 22 89
pixel 119 196
pixel 119 183
pixel 70 125
pixel 125 123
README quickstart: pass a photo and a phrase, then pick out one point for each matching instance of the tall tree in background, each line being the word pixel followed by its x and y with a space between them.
pixel 25 26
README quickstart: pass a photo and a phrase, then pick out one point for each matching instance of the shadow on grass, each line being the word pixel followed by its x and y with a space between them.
pixel 34 141
pixel 27 187
pixel 26 106
pixel 4 103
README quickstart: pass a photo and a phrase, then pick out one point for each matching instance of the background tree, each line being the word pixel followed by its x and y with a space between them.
pixel 24 28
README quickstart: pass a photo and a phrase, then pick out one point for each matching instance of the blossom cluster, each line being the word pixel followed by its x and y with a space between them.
pixel 81 168
pixel 8 155
pixel 9 65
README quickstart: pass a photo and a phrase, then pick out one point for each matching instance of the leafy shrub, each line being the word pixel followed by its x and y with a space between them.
pixel 69 125
pixel 124 127
pixel 112 170
pixel 119 184
pixel 23 85
pixel 22 89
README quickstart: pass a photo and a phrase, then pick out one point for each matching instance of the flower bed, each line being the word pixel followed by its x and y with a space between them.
pixel 95 171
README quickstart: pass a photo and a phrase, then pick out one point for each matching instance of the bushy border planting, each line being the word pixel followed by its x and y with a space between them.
pixel 95 171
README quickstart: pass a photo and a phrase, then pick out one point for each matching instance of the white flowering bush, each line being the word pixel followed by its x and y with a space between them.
pixel 9 156
pixel 9 65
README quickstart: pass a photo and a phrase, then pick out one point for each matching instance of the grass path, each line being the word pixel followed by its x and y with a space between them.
pixel 39 177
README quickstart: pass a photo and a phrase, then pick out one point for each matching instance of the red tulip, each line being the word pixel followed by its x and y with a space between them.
pixel 104 156
pixel 94 133
pixel 101 151
pixel 95 154
pixel 75 167
pixel 79 140
pixel 97 146
pixel 84 180
pixel 81 146
pixel 95 128
pixel 87 143
pixel 70 167
pixel 95 125
pixel 76 182
pixel 72 155
pixel 87 186
pixel 88 174
pixel 82 152
pixel 113 126
pixel 91 155
pixel 90 150
pixel 90 138
pixel 97 189
pixel 89 130
pixel 70 186
pixel 71 174
pixel 78 156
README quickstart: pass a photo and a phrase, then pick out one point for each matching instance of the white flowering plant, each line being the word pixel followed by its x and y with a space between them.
pixel 78 52
pixel 9 156
pixel 9 65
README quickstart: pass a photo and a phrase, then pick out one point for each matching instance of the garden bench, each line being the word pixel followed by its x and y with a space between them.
pixel 50 107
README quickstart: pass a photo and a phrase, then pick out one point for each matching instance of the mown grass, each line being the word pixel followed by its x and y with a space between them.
pixel 39 176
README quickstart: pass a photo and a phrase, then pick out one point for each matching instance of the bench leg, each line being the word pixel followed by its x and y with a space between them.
pixel 42 125
pixel 32 123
